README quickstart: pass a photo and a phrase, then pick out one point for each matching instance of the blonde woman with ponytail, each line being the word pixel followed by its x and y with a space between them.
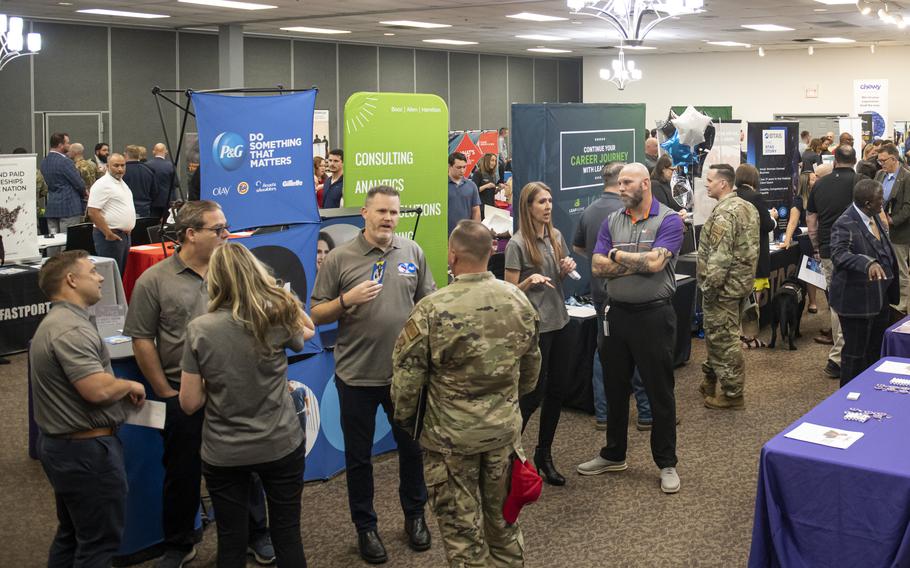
pixel 537 261
pixel 234 364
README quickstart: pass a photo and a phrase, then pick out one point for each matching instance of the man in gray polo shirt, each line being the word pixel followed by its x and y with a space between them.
pixel 78 405
pixel 165 299
pixel 369 285
pixel 636 251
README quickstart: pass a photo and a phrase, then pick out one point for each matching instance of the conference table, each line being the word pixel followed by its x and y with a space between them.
pixel 897 343
pixel 23 305
pixel 822 506
pixel 142 257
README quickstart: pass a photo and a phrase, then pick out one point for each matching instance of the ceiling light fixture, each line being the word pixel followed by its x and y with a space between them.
pixel 622 73
pixel 635 47
pixel 13 42
pixel 633 19
pixel 836 2
pixel 834 40
pixel 542 49
pixel 450 41
pixel 872 47
pixel 811 50
pixel 532 17
pixel 729 44
pixel 307 30
pixel 414 24
pixel 761 51
pixel 229 4
pixel 122 14
pixel 542 37
pixel 767 27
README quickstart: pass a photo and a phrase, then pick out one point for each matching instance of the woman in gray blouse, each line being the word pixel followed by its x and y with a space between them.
pixel 537 261
pixel 235 365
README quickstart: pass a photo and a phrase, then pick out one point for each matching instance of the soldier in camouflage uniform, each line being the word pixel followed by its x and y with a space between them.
pixel 473 347
pixel 88 171
pixel 727 255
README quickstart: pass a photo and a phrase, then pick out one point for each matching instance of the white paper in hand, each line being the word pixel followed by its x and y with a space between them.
pixel 150 415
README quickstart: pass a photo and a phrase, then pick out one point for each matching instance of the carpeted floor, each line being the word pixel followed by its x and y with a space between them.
pixel 619 519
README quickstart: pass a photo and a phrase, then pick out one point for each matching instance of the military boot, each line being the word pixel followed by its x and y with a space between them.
pixel 707 387
pixel 724 402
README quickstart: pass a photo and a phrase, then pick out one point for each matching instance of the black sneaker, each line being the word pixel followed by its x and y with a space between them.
pixel 176 558
pixel 832 369
pixel 262 550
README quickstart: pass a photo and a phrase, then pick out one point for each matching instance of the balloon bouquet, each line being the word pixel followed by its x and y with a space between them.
pixel 687 138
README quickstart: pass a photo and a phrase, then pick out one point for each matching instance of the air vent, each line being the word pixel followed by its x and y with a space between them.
pixel 802 40
pixel 835 24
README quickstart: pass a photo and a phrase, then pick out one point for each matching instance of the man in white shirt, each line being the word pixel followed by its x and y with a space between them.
pixel 110 208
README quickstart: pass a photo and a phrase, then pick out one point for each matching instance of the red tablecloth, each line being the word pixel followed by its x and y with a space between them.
pixel 142 257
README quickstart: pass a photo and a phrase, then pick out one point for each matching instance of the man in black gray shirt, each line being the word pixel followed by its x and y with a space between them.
pixel 369 286
pixel 78 405
pixel 583 243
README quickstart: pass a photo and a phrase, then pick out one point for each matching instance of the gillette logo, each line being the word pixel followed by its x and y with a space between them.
pixel 292 183
pixel 228 150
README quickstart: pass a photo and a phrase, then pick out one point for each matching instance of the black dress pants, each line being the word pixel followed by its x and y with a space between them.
pixel 547 395
pixel 89 481
pixel 358 424
pixel 183 480
pixel 643 338
pixel 862 343
pixel 231 489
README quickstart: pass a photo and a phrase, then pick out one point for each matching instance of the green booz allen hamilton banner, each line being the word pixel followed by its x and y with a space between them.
pixel 401 140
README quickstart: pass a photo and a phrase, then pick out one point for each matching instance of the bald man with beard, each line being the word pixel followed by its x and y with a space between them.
pixel 636 252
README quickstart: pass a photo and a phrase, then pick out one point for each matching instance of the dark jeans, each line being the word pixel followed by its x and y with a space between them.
pixel 89 481
pixel 183 479
pixel 118 250
pixel 358 424
pixel 547 395
pixel 642 338
pixel 230 488
pixel 862 343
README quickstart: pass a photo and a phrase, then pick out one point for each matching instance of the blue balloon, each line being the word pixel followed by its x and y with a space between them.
pixel 679 153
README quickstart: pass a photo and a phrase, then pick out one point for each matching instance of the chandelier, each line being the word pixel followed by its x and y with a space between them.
pixel 12 41
pixel 884 12
pixel 623 72
pixel 633 19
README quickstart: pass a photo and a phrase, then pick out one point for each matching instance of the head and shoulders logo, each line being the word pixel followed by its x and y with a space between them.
pixel 228 150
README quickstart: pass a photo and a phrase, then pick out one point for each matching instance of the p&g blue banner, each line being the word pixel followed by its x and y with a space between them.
pixel 256 155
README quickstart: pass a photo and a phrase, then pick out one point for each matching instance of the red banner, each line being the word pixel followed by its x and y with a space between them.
pixel 489 142
pixel 470 150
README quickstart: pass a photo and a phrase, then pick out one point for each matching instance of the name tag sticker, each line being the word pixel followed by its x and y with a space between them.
pixel 407 268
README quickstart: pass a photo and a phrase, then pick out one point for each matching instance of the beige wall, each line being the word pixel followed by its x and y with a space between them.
pixel 756 87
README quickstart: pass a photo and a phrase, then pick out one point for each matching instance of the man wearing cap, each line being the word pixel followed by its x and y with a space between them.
pixel 79 404
pixel 471 350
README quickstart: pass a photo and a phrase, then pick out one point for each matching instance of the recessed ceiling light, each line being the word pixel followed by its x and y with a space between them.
pixel 834 40
pixel 767 28
pixel 729 43
pixel 388 34
pixel 450 41
pixel 836 2
pixel 230 4
pixel 542 37
pixel 413 24
pixel 819 9
pixel 535 17
pixel 635 47
pixel 121 13
pixel 64 3
pixel 306 30
pixel 549 50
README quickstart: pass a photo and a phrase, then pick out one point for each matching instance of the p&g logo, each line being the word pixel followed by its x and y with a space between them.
pixel 228 150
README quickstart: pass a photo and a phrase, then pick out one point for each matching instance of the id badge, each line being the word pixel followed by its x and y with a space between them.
pixel 606 323
pixel 378 271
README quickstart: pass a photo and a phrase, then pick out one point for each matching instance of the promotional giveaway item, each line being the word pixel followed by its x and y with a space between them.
pixel 378 271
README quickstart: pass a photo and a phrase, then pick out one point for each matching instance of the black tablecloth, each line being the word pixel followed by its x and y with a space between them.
pixel 22 307
pixel 578 342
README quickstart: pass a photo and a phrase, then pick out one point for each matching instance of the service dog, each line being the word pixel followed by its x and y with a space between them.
pixel 787 307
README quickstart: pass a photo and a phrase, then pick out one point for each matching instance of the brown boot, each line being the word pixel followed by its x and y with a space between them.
pixel 707 387
pixel 723 402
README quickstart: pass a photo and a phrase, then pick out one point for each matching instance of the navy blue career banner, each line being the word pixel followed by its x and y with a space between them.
pixel 256 155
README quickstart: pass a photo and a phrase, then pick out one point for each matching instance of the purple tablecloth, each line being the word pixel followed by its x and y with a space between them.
pixel 896 344
pixel 821 506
